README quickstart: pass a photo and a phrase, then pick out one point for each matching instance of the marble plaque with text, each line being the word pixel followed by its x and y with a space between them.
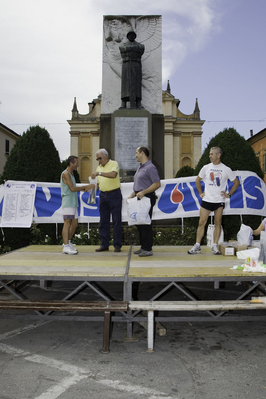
pixel 130 133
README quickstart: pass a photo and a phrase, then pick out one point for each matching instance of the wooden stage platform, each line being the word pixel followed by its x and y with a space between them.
pixel 168 262
pixel 169 268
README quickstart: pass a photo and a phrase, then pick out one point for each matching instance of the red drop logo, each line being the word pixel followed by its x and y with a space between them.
pixel 177 196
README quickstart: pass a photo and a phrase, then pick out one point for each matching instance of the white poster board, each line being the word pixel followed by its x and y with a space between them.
pixel 18 205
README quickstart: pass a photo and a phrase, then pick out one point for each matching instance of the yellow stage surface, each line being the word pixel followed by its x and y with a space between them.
pixel 166 262
pixel 48 260
pixel 172 261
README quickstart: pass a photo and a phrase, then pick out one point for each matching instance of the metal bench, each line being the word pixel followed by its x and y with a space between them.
pixel 72 306
pixel 189 306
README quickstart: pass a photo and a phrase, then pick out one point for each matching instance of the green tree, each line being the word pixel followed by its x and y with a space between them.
pixel 185 171
pixel 238 155
pixel 33 158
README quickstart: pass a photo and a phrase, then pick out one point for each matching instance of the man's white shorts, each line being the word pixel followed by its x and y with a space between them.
pixel 70 213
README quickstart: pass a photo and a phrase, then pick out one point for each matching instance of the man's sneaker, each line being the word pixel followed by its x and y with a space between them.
pixel 138 251
pixel 194 250
pixel 68 250
pixel 72 246
pixel 215 250
pixel 145 253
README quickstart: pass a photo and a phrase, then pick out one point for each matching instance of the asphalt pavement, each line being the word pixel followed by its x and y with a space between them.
pixel 62 359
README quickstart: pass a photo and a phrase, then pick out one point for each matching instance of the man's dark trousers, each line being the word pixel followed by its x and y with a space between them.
pixel 145 230
pixel 111 204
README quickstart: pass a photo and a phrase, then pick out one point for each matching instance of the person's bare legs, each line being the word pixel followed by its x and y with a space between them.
pixel 73 228
pixel 217 222
pixel 69 229
pixel 204 214
pixel 65 230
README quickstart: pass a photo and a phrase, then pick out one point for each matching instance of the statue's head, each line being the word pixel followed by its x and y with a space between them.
pixel 131 35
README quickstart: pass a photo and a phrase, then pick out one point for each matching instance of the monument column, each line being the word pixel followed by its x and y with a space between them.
pixel 132 91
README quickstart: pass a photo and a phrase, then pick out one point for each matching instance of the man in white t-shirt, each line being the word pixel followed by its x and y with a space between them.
pixel 215 176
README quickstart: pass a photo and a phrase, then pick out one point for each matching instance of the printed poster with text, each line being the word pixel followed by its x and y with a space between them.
pixel 18 205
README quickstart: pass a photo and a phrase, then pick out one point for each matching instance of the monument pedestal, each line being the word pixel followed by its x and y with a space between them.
pixel 131 128
pixel 158 143
pixel 122 132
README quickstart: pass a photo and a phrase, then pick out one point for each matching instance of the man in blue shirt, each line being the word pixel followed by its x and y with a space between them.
pixel 146 182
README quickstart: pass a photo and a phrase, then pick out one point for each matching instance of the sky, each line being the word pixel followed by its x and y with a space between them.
pixel 51 52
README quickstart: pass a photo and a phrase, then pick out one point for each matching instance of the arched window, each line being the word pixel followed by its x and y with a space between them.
pixel 186 161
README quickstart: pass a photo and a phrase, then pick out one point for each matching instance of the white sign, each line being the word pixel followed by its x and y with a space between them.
pixel 18 205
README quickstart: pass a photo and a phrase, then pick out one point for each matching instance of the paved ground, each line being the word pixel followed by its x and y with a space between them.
pixel 62 359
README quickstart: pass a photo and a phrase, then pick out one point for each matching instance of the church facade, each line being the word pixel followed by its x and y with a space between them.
pixel 182 136
pixel 8 139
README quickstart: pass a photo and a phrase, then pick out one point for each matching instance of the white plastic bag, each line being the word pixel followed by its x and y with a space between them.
pixel 92 197
pixel 138 211
pixel 245 235
pixel 262 256
pixel 210 232
pixel 248 253
pixel 251 262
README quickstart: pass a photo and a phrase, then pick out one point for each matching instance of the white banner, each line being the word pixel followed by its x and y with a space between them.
pixel 177 198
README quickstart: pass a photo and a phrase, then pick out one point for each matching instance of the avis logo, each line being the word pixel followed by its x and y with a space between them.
pixel 133 216
pixel 174 195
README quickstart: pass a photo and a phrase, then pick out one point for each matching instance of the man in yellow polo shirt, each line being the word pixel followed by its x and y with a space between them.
pixel 110 200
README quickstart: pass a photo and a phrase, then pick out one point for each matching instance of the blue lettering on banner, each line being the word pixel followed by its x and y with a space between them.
pixel 236 201
pixel 90 209
pixel 46 208
pixel 78 194
pixel 252 186
pixel 190 203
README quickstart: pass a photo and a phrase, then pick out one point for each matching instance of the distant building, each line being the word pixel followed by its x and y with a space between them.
pixel 7 140
pixel 84 142
pixel 182 136
pixel 258 143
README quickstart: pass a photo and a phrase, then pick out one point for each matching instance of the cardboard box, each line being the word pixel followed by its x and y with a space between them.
pixel 226 249
pixel 231 248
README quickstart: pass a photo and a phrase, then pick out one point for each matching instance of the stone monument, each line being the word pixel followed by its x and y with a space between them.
pixel 131 53
pixel 131 112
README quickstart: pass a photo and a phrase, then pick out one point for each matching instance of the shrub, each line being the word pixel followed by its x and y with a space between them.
pixel 185 171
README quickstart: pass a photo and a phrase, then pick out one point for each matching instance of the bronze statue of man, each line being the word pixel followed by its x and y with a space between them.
pixel 131 53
